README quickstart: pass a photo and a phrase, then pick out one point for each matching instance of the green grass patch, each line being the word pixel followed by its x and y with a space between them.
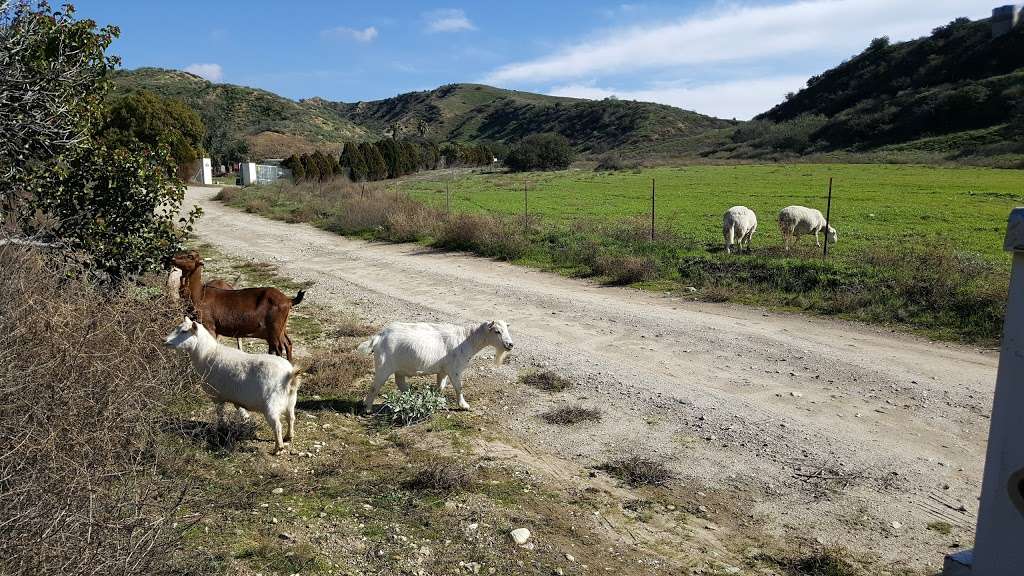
pixel 919 247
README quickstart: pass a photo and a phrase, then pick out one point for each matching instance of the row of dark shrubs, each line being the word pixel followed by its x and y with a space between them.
pixel 931 286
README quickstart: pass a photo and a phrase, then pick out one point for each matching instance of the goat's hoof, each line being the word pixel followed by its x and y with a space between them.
pixel 464 406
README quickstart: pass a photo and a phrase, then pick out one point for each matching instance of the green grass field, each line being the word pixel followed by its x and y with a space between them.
pixel 871 203
pixel 919 247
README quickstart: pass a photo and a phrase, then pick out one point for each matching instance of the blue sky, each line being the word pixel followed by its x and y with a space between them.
pixel 724 58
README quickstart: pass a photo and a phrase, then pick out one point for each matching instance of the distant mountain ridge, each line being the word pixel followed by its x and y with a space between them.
pixel 957 94
pixel 277 126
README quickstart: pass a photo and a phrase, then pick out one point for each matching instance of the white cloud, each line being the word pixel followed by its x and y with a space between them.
pixel 741 33
pixel 448 20
pixel 367 34
pixel 212 72
pixel 741 99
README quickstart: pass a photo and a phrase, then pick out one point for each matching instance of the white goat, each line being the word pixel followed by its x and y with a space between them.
pixel 738 226
pixel 174 284
pixel 259 382
pixel 411 349
pixel 797 220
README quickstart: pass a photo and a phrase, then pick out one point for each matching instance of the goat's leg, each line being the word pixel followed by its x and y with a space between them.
pixel 293 396
pixel 817 241
pixel 456 378
pixel 288 346
pixel 401 383
pixel 379 378
pixel 238 343
pixel 274 420
pixel 220 414
pixel 442 382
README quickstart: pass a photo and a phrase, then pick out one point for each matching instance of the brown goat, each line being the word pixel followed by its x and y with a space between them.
pixel 249 312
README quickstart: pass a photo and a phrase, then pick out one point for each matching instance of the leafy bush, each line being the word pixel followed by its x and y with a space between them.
pixel 411 407
pixel 112 204
pixel 548 151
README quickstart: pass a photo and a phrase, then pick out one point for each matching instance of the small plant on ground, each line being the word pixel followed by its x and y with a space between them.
pixel 944 528
pixel 572 414
pixel 824 563
pixel 637 471
pixel 547 380
pixel 440 474
pixel 411 407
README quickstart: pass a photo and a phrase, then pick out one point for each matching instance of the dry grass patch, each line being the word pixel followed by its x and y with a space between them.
pixel 547 380
pixel 637 471
pixel 440 474
pixel 822 563
pixel 90 482
pixel 570 415
pixel 332 371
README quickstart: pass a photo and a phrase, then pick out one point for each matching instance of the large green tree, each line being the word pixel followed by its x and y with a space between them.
pixel 111 204
pixel 147 117
pixel 352 159
pixel 540 152
pixel 376 169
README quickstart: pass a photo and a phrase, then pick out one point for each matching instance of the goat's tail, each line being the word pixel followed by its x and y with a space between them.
pixel 295 380
pixel 298 297
pixel 368 346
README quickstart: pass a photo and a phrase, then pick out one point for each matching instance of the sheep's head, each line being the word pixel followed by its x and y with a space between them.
pixel 188 261
pixel 833 236
pixel 183 335
pixel 499 337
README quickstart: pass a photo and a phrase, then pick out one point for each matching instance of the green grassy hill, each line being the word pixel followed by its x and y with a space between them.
pixel 271 124
pixel 474 112
pixel 276 126
pixel 957 94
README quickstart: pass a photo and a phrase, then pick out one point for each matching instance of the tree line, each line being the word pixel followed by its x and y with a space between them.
pixel 384 159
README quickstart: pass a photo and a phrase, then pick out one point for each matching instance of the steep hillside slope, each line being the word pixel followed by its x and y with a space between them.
pixel 957 79
pixel 472 112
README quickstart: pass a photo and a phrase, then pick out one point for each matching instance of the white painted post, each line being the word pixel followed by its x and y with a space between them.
pixel 999 538
pixel 207 172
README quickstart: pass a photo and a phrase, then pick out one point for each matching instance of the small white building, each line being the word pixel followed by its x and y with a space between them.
pixel 201 171
pixel 254 174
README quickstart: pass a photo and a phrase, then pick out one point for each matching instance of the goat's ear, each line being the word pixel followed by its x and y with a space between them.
pixel 194 327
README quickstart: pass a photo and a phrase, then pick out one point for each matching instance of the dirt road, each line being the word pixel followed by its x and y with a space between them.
pixel 799 428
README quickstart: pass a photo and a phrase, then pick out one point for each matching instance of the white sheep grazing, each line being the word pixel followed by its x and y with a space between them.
pixel 738 226
pixel 797 220
pixel 412 349
pixel 260 382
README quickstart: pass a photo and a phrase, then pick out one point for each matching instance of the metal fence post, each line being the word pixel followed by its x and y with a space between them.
pixel 526 207
pixel 652 209
pixel 998 537
pixel 828 215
